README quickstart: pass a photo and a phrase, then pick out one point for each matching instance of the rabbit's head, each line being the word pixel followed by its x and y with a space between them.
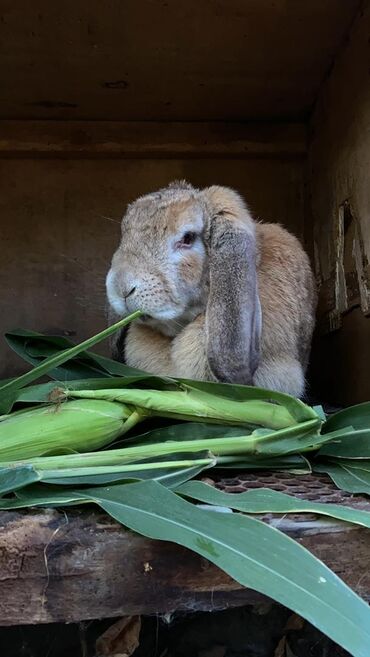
pixel 160 264
pixel 184 251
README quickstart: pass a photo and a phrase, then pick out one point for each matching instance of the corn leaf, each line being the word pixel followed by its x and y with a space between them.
pixel 295 463
pixel 171 471
pixel 264 500
pixel 357 416
pixel 251 552
pixel 43 495
pixel 35 348
pixel 9 390
pixel 191 430
pixel 40 393
pixel 346 477
pixel 185 431
pixel 355 464
pixel 353 443
pixel 169 478
pixel 12 479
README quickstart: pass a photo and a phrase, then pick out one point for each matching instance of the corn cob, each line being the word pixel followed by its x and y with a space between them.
pixel 187 405
pixel 81 425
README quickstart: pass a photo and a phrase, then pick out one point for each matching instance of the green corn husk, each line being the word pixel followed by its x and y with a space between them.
pixel 81 425
pixel 196 404
pixel 256 444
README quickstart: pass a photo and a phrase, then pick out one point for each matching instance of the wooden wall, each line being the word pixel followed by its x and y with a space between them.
pixel 339 177
pixel 178 60
pixel 63 190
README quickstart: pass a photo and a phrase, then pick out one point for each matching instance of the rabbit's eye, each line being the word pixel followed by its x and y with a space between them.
pixel 188 239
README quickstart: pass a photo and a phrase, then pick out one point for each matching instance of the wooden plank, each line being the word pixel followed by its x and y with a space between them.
pixel 176 60
pixel 338 180
pixel 71 566
pixel 107 139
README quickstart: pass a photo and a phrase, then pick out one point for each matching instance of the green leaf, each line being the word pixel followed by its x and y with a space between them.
pixel 40 393
pixel 320 412
pixel 264 500
pixel 350 479
pixel 43 495
pixel 190 430
pixel 8 390
pixel 171 471
pixel 170 479
pixel 296 463
pixel 354 440
pixel 35 347
pixel 254 554
pixel 12 479
pixel 353 443
pixel 357 417
pixel 185 431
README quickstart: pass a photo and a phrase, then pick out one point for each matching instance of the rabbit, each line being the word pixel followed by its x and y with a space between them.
pixel 225 298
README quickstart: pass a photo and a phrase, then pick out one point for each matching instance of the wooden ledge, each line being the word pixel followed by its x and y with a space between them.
pixel 112 139
pixel 73 565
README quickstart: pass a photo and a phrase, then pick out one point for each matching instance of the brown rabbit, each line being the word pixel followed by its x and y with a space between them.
pixel 225 298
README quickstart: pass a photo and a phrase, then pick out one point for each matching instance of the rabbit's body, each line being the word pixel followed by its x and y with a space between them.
pixel 250 300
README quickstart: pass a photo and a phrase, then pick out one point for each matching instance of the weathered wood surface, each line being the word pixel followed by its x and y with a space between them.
pixel 77 565
pixel 338 179
pixel 149 139
pixel 167 61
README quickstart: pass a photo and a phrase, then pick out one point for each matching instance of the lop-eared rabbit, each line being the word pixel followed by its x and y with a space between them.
pixel 224 298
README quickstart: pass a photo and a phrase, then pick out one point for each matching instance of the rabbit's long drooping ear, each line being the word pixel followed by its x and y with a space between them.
pixel 233 314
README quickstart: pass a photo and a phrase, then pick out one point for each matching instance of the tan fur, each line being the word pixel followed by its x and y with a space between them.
pixel 286 289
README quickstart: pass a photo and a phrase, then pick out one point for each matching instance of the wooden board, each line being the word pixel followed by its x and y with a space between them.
pixel 338 171
pixel 174 60
pixel 107 139
pixel 77 565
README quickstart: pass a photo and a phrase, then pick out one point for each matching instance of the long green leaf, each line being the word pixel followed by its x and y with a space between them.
pixel 8 390
pixel 170 471
pixel 277 443
pixel 353 443
pixel 355 464
pixel 35 348
pixel 352 480
pixel 264 500
pixel 12 479
pixel 254 554
pixel 170 474
pixel 295 463
pixel 189 430
pixel 357 416
pixel 40 393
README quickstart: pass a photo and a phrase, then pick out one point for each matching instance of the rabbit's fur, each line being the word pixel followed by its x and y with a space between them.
pixel 237 304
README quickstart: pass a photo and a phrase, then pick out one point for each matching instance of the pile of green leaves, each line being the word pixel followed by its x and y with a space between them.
pixel 157 495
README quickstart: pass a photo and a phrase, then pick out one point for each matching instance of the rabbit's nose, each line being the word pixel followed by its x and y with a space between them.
pixel 128 284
